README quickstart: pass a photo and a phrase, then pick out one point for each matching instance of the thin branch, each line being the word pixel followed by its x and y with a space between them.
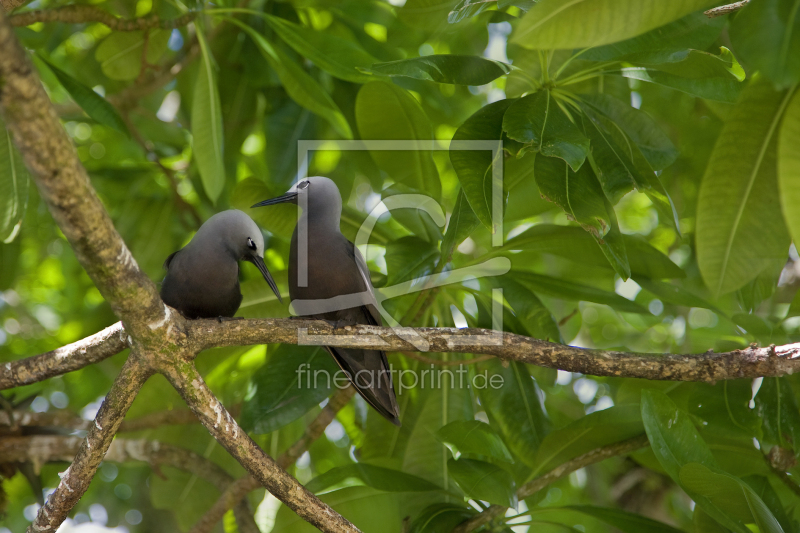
pixel 709 366
pixel 724 10
pixel 67 420
pixel 188 382
pixel 237 490
pixel 77 477
pixel 64 185
pixel 81 14
pixel 10 5
pixel 535 485
pixel 77 355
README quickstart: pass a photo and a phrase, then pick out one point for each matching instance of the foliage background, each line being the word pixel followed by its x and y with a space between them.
pixel 693 257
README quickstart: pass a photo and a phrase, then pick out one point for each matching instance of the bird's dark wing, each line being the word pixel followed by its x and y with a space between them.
pixel 372 307
pixel 168 260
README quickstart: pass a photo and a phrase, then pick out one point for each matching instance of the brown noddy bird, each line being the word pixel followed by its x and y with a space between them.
pixel 203 277
pixel 337 287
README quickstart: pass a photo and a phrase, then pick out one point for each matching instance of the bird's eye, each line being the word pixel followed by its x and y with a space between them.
pixel 303 184
pixel 251 244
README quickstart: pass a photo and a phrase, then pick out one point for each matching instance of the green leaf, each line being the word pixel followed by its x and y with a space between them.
pixel 739 229
pixel 446 68
pixel 581 23
pixel 207 126
pixel 715 77
pixel 298 83
pixel 777 408
pixel 762 487
pixel 339 57
pixel 587 433
pixel 514 408
pixel 13 186
pixel 285 391
pixel 95 105
pixel 581 196
pixel 730 495
pixel 665 44
pixel 466 9
pixel 484 481
pixel 789 166
pixel 622 520
pixel 473 437
pixel 725 409
pixel 675 294
pixel 767 36
pixel 278 219
pixel 440 517
pixel 538 120
pixel 363 474
pixel 567 290
pixel 409 258
pixel 637 125
pixel 120 54
pixel 473 167
pixel 461 225
pixel 386 112
pixel 577 245
pixel 528 310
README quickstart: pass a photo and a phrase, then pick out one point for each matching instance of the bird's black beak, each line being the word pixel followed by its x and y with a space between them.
pixel 289 197
pixel 259 263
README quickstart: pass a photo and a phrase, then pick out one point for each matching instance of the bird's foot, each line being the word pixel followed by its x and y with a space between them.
pixel 222 319
pixel 339 325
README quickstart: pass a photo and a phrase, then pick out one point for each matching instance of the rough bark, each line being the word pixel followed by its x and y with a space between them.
pixel 80 14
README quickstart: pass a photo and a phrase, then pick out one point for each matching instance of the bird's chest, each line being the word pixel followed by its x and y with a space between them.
pixel 328 266
pixel 202 288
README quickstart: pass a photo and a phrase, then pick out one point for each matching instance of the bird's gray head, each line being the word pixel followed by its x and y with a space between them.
pixel 319 195
pixel 233 232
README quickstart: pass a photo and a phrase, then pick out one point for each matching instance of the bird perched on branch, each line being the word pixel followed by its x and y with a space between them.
pixel 203 278
pixel 329 280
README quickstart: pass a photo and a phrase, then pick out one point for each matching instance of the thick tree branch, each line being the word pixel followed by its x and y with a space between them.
pixel 77 477
pixel 9 5
pixel 77 14
pixel 64 185
pixel 535 485
pixel 262 467
pixel 708 366
pixel 237 490
pixel 77 355
pixel 67 420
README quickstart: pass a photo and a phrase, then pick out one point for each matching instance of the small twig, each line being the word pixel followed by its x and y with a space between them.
pixel 535 485
pixel 439 362
pixel 568 317
pixel 81 14
pixel 79 354
pixel 724 10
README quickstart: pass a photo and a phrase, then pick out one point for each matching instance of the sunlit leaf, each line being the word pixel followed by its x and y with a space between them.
pixel 789 166
pixel 446 68
pixel 473 437
pixel 207 126
pixel 120 54
pixel 484 481
pixel 13 186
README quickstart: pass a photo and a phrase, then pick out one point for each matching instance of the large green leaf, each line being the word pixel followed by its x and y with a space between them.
pixel 95 105
pixel 577 245
pixel 587 433
pixel 385 112
pixel 341 58
pixel 739 228
pixel 13 186
pixel 581 23
pixel 581 196
pixel 777 407
pixel 533 315
pixel 207 133
pixel 285 390
pixel 303 89
pixel 767 36
pixel 568 290
pixel 675 294
pixel 484 481
pixel 120 54
pixel 789 166
pixel 622 520
pixel 514 409
pixel 474 167
pixel 440 517
pixel 715 77
pixel 668 43
pixel 473 437
pixel 409 258
pixel 368 475
pixel 446 68
pixel 538 121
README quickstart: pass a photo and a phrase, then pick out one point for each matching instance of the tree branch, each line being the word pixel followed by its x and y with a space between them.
pixel 535 485
pixel 708 366
pixel 77 477
pixel 65 187
pixel 237 490
pixel 77 355
pixel 67 420
pixel 78 14
pixel 724 10
pixel 10 5
pixel 262 467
